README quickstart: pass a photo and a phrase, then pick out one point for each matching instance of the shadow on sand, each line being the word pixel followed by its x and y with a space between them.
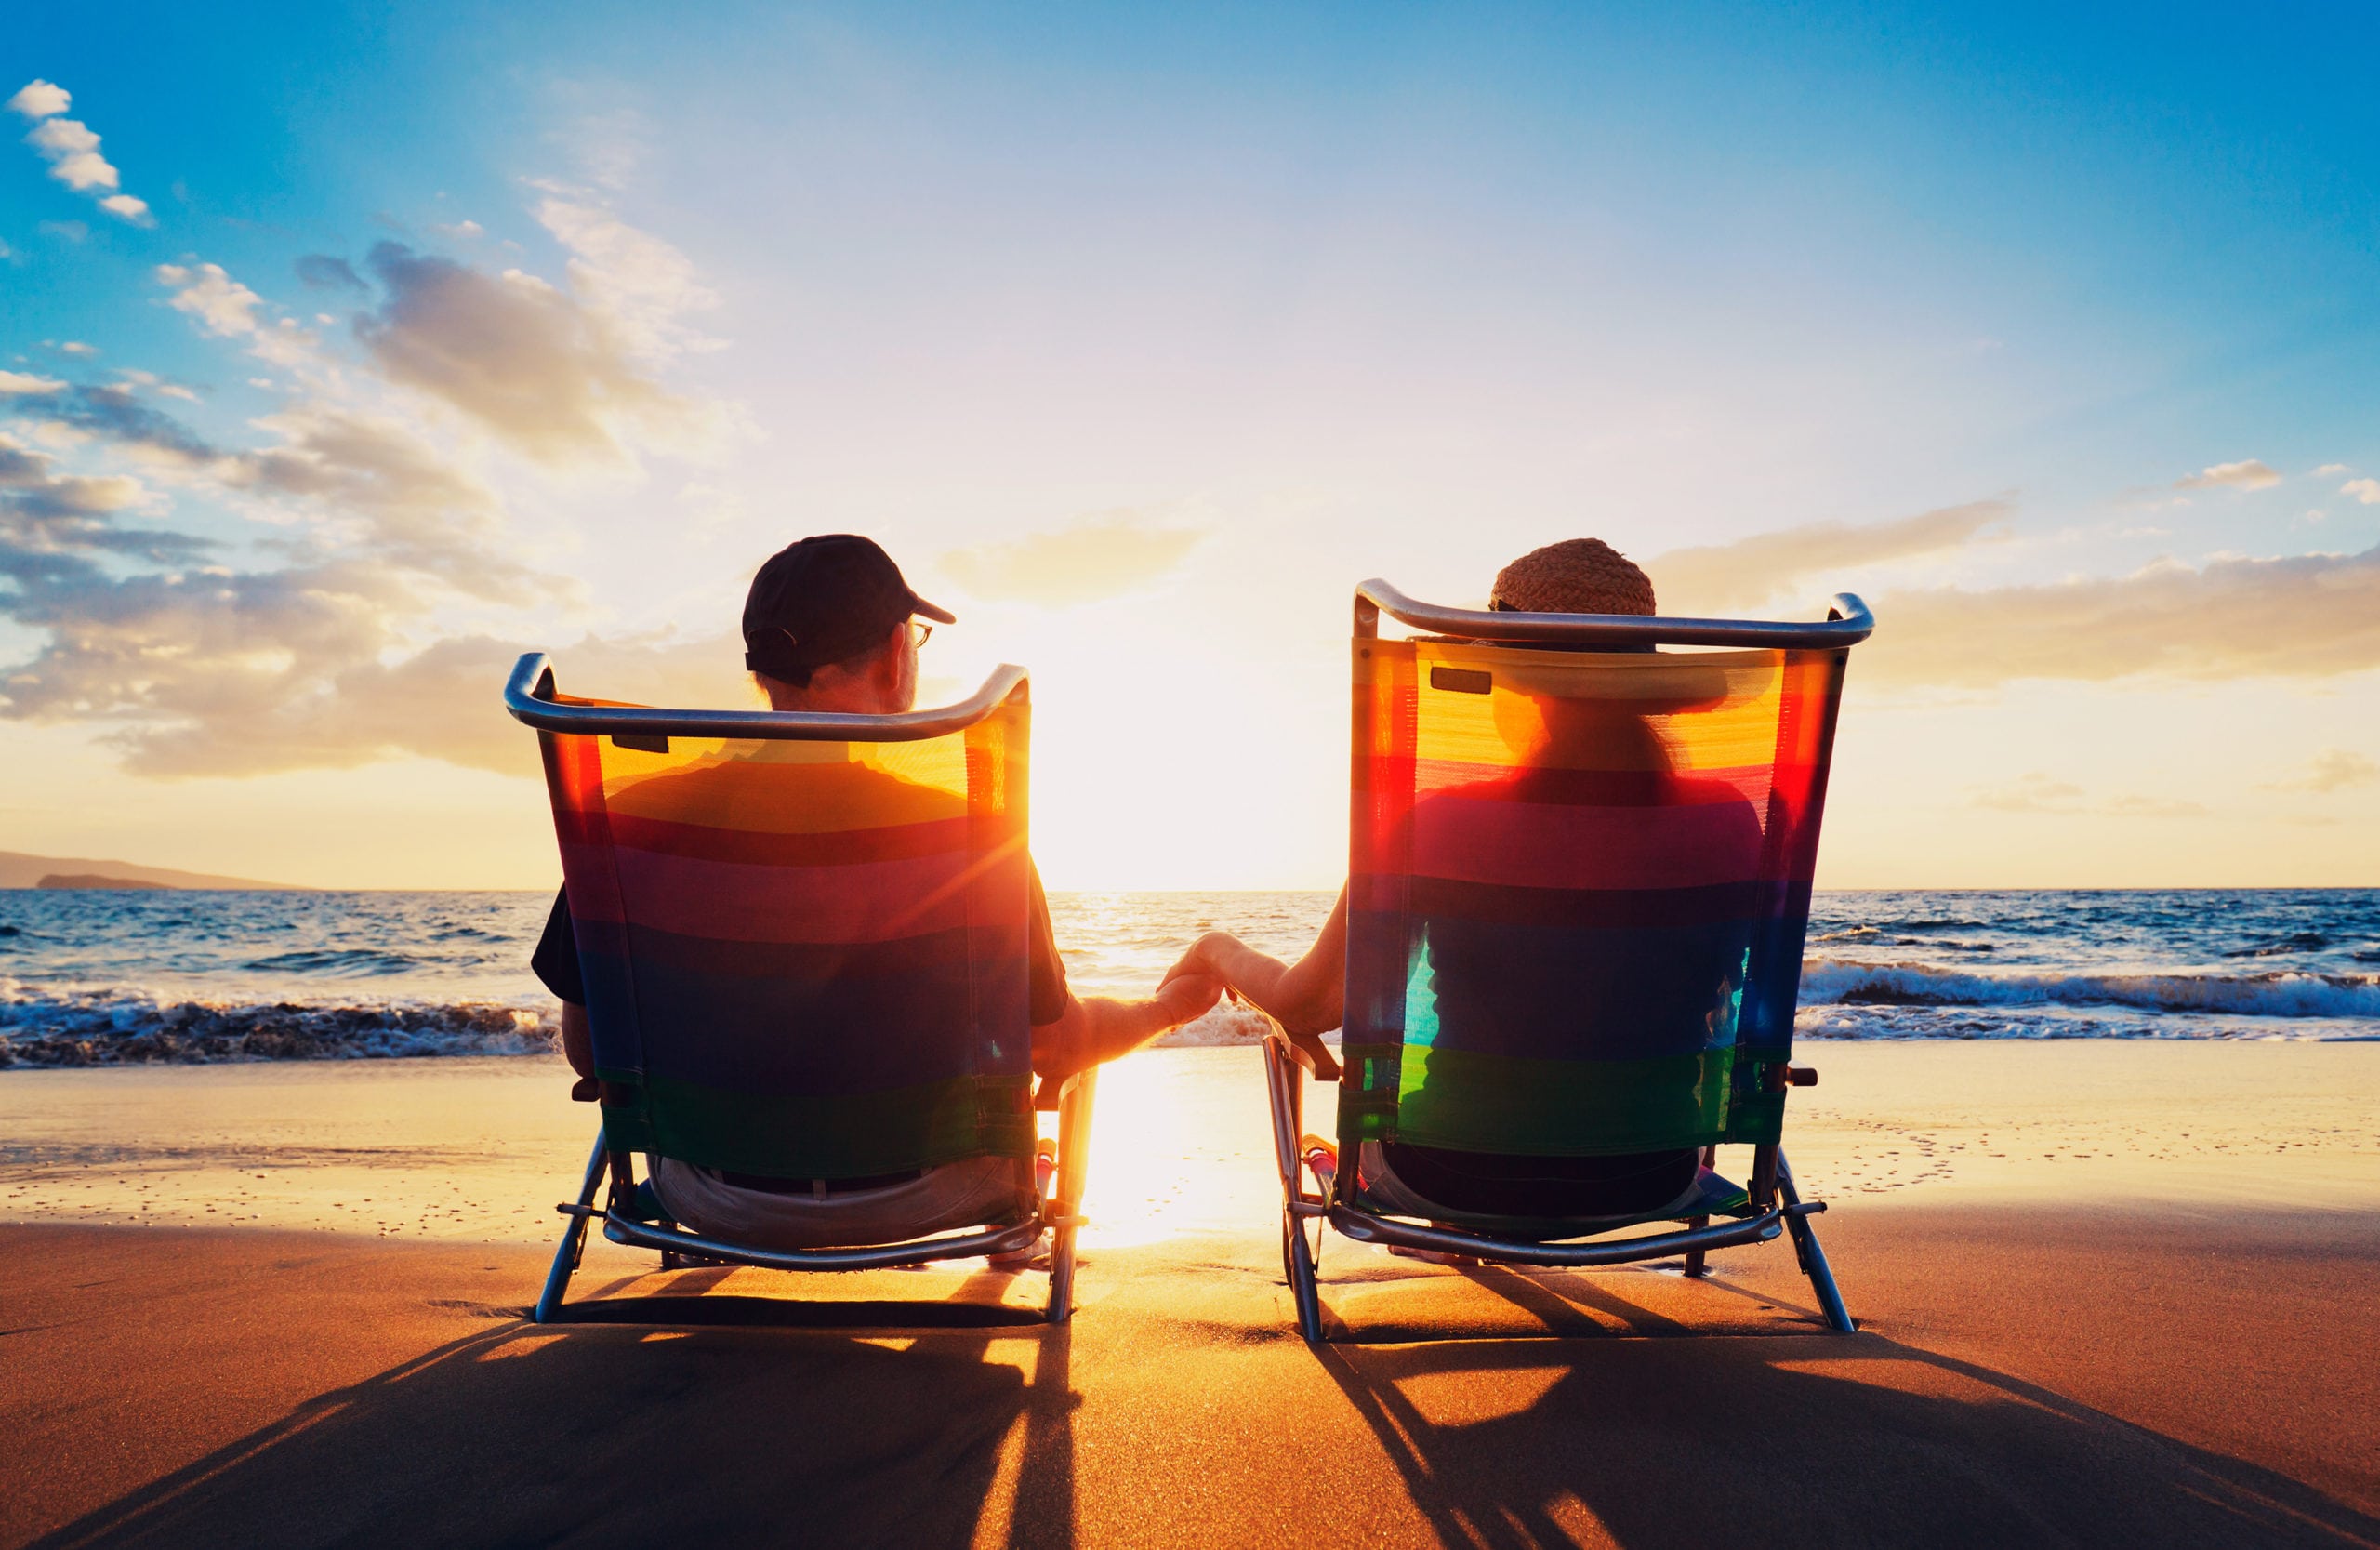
pixel 715 1422
pixel 1782 1440
pixel 668 1419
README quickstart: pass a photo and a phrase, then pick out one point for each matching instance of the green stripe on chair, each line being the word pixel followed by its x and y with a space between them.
pixel 829 1136
pixel 1470 1102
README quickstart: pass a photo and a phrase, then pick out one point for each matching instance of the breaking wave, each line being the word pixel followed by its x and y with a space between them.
pixel 41 1026
pixel 2279 994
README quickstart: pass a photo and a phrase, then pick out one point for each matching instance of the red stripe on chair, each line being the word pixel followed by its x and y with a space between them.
pixel 1584 787
pixel 1542 845
pixel 731 903
pixel 842 848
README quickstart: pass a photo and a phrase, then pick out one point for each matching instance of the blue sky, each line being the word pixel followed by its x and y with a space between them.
pixel 1144 337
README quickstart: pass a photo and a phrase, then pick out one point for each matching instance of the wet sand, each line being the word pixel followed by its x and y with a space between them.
pixel 2110 1293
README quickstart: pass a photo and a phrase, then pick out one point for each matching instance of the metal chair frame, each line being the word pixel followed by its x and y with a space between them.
pixel 528 697
pixel 1779 1208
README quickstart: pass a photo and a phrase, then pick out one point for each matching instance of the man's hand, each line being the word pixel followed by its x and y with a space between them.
pixel 1305 997
pixel 1207 956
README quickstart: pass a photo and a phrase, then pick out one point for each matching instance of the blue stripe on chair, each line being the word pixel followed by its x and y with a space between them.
pixel 1557 992
pixel 1632 907
pixel 781 1020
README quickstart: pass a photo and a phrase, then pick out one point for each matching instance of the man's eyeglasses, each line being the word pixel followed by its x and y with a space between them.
pixel 919 632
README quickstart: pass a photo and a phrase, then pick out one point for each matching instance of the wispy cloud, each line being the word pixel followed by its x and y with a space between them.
pixel 2305 614
pixel 1095 560
pixel 2036 792
pixel 163 386
pixel 2248 474
pixel 72 151
pixel 1752 570
pixel 112 414
pixel 2332 770
pixel 2366 491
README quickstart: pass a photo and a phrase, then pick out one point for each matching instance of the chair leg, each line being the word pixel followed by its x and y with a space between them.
pixel 1813 1258
pixel 1066 1189
pixel 1284 1080
pixel 1695 1261
pixel 573 1243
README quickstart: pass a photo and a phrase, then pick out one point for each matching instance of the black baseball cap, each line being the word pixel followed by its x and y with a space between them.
pixel 825 599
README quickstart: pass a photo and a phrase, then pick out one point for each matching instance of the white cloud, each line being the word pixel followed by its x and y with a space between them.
pixel 2247 474
pixel 641 285
pixel 76 347
pixel 462 231
pixel 72 152
pixel 2329 469
pixel 2364 490
pixel 2332 770
pixel 222 306
pixel 227 309
pixel 322 646
pixel 38 99
pixel 1084 564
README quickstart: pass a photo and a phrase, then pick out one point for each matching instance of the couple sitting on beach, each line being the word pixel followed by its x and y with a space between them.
pixel 831 626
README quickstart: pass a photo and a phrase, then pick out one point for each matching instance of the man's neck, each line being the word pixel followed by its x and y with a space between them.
pixel 848 697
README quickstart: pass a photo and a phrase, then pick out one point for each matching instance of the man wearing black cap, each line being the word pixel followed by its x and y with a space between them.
pixel 829 625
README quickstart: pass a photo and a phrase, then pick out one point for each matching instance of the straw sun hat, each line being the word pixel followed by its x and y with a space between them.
pixel 1577 575
pixel 1587 576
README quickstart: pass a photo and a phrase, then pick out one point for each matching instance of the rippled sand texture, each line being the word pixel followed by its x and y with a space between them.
pixel 2111 1293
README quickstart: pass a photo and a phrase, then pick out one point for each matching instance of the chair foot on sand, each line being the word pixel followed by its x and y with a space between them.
pixel 1054 1222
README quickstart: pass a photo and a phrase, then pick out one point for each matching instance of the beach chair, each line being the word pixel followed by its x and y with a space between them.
pixel 1578 881
pixel 804 942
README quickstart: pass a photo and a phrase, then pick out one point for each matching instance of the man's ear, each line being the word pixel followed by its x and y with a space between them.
pixel 888 658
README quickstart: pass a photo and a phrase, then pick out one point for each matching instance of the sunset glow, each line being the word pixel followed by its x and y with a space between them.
pixel 314 427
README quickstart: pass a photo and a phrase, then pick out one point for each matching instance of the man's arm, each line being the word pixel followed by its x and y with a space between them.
pixel 579 1048
pixel 1098 1028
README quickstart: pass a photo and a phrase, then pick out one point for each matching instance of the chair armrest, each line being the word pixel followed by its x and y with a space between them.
pixel 1307 1049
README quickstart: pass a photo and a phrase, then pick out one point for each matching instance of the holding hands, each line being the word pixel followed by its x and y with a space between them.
pixel 1306 997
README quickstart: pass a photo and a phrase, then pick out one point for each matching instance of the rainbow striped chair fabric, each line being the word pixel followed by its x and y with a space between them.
pixel 804 944
pixel 1578 881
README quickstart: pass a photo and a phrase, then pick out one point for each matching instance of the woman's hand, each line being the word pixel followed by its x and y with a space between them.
pixel 1185 997
pixel 1206 958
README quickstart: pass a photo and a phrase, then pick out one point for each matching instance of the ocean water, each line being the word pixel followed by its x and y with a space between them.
pixel 106 978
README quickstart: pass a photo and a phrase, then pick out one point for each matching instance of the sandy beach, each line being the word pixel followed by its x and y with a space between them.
pixel 2110 1293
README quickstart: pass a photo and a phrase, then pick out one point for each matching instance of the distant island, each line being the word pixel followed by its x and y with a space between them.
pixel 20 870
